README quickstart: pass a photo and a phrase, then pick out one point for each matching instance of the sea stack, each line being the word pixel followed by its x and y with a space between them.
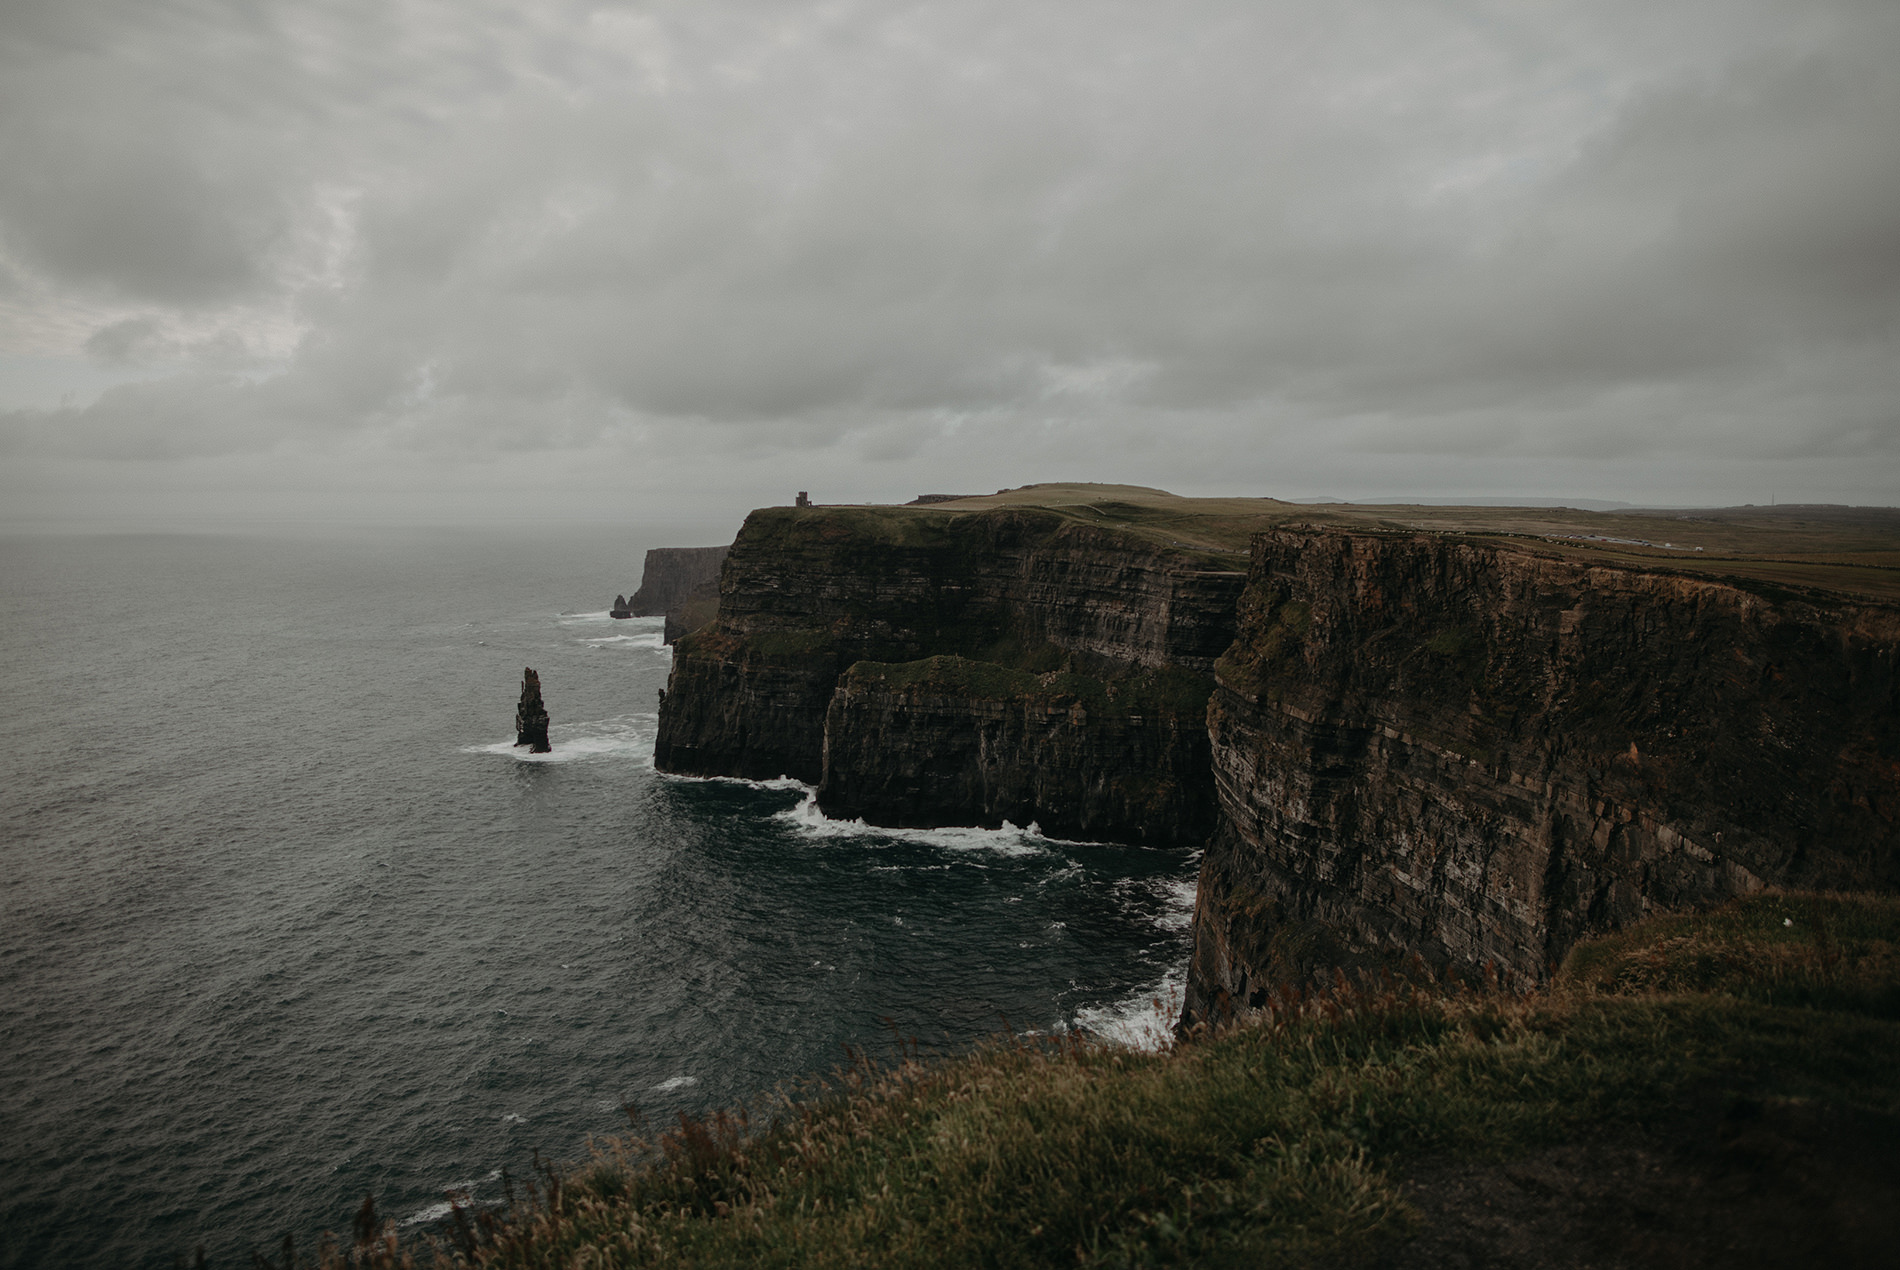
pixel 620 608
pixel 531 717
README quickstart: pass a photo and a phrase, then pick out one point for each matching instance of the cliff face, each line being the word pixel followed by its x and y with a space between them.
pixel 1013 594
pixel 1481 755
pixel 672 574
pixel 948 741
pixel 681 584
pixel 1415 743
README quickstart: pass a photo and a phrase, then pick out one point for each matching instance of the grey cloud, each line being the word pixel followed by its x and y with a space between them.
pixel 124 341
pixel 1592 231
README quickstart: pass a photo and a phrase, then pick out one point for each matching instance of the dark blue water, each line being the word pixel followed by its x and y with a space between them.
pixel 284 919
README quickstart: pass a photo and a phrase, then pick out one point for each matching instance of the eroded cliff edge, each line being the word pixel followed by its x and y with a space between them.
pixel 925 667
pixel 1478 754
pixel 681 584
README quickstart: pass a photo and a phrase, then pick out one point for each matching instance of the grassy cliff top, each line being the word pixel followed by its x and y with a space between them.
pixel 1700 1090
pixel 1850 551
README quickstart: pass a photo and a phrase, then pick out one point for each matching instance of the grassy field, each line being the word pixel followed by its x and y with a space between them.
pixel 1717 1089
pixel 1852 552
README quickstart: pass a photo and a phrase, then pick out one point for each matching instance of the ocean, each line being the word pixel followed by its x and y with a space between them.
pixel 286 919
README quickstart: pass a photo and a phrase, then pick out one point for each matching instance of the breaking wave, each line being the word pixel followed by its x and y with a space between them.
pixel 625 737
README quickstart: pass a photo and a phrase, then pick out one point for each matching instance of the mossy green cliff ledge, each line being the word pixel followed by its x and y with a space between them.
pixel 1481 754
pixel 1012 663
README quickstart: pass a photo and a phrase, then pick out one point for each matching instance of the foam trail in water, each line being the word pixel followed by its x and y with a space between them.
pixel 1177 898
pixel 675 1082
pixel 648 639
pixel 462 1193
pixel 604 618
pixel 809 819
pixel 628 736
pixel 777 782
pixel 1143 1020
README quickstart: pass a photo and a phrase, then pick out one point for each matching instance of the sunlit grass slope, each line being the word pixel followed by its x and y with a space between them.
pixel 1310 1135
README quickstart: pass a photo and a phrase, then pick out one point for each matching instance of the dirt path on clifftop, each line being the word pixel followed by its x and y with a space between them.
pixel 1734 1183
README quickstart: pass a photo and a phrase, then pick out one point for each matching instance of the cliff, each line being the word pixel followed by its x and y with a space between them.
pixel 672 574
pixel 1471 735
pixel 1044 614
pixel 681 584
pixel 948 741
pixel 1479 754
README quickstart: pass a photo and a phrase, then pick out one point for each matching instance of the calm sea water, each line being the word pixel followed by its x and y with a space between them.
pixel 285 919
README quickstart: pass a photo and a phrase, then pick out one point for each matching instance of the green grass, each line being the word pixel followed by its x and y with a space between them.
pixel 787 646
pixel 1809 553
pixel 1828 952
pixel 1283 1139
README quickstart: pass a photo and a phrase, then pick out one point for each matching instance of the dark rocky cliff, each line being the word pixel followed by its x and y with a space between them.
pixel 949 741
pixel 1022 598
pixel 681 584
pixel 1477 754
pixel 1476 749
pixel 672 574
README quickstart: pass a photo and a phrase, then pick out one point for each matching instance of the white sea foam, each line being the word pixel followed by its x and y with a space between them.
pixel 1144 1019
pixel 629 736
pixel 777 782
pixel 809 819
pixel 1177 899
pixel 639 639
pixel 605 617
pixel 675 1082
pixel 462 1193
pixel 434 1212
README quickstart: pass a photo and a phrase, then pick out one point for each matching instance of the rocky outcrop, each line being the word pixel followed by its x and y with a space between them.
pixel 1475 754
pixel 1013 595
pixel 531 716
pixel 620 608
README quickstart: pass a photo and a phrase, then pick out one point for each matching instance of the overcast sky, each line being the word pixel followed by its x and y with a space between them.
pixel 455 259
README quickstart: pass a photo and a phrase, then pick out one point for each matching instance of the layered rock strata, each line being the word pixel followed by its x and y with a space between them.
pixel 1475 754
pixel 1014 596
pixel 680 584
pixel 671 575
pixel 948 741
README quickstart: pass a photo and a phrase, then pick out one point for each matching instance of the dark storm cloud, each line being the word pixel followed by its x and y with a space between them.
pixel 1578 231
